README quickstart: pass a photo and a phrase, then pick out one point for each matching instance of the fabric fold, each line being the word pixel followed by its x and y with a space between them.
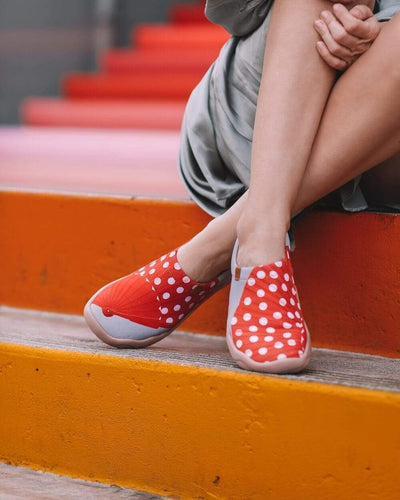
pixel 217 130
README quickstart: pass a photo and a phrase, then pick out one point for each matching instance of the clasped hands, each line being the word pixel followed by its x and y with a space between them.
pixel 346 34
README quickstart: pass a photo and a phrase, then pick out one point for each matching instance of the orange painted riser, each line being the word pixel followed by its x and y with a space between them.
pixel 57 250
pixel 181 13
pixel 174 61
pixel 189 432
pixel 53 112
pixel 140 86
pixel 167 36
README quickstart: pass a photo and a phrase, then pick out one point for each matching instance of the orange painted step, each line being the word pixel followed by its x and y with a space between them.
pixel 53 112
pixel 346 275
pixel 181 13
pixel 172 61
pixel 140 86
pixel 182 420
pixel 183 37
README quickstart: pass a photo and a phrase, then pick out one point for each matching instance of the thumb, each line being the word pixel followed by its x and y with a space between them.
pixel 361 12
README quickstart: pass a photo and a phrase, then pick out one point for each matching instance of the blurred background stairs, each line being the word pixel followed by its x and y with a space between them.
pixel 89 190
pixel 153 79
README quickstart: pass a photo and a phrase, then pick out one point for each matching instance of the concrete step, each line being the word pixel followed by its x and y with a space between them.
pixel 129 87
pixel 117 61
pixel 94 161
pixel 147 115
pixel 74 244
pixel 180 419
pixel 183 37
pixel 18 483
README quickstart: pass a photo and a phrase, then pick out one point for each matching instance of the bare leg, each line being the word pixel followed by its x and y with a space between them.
pixel 295 94
pixel 294 88
pixel 361 121
pixel 360 129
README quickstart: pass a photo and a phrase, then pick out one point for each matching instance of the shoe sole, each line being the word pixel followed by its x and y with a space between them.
pixel 101 334
pixel 280 366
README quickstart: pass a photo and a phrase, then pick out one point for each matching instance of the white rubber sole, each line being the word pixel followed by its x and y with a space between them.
pixel 280 366
pixel 130 343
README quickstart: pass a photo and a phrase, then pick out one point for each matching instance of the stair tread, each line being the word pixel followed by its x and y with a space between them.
pixel 133 61
pixel 91 160
pixel 128 86
pixel 171 35
pixel 37 329
pixel 182 13
pixel 20 482
pixel 157 115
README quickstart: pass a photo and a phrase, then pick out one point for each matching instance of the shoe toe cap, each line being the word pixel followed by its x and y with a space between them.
pixel 118 327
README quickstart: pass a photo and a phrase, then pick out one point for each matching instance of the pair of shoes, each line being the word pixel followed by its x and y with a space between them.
pixel 148 304
pixel 265 330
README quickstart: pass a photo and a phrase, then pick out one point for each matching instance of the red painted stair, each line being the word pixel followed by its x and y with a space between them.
pixel 207 37
pixel 172 61
pixel 187 13
pixel 140 86
pixel 143 87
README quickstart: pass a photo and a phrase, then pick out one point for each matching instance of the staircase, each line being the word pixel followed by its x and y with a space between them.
pixel 142 87
pixel 81 207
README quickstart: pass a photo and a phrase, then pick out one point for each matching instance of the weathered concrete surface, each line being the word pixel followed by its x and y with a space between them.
pixel 69 332
pixel 21 483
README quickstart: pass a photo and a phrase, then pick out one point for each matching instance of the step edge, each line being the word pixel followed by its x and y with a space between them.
pixel 100 195
pixel 143 198
pixel 36 472
pixel 191 366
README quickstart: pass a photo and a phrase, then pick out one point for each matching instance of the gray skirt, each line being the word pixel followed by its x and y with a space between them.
pixel 217 129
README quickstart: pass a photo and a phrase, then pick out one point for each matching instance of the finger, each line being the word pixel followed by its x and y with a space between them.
pixel 338 32
pixel 351 24
pixel 331 60
pixel 361 12
pixel 333 46
pixel 371 22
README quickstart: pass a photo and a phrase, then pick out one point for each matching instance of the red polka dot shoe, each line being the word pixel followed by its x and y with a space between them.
pixel 266 331
pixel 148 304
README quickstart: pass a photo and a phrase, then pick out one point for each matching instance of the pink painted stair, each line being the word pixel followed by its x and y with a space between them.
pixel 138 163
pixel 56 112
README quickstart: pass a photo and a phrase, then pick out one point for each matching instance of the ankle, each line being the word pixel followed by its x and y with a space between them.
pixel 261 242
pixel 202 260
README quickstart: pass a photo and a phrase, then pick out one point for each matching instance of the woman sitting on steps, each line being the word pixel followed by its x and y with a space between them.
pixel 302 100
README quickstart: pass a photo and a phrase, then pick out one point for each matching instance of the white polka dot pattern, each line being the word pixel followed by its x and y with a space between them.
pixel 157 295
pixel 276 330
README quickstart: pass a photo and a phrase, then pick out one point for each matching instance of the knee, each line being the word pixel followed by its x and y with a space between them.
pixel 392 31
